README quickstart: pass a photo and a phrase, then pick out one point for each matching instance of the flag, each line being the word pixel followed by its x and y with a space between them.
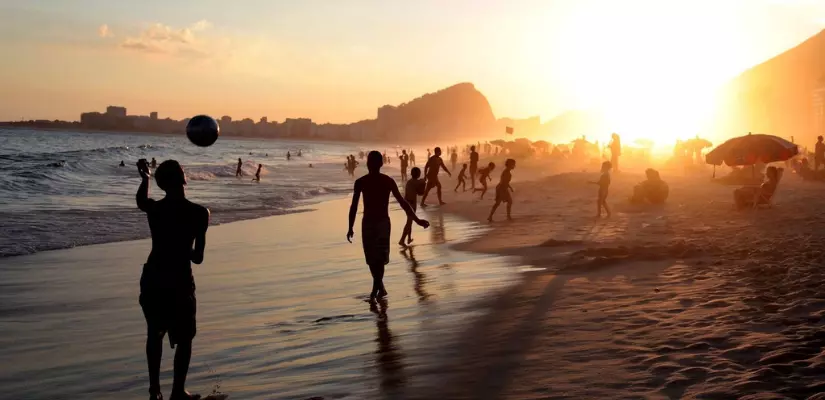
pixel 509 130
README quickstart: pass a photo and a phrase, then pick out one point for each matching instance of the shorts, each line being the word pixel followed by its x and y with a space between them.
pixel 375 236
pixel 432 182
pixel 503 195
pixel 171 312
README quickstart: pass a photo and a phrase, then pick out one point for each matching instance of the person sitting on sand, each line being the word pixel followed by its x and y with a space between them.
pixel 412 190
pixel 154 163
pixel 653 190
pixel 431 172
pixel 375 224
pixel 750 196
pixel 167 287
pixel 503 189
pixel 483 177
pixel 604 185
pixel 122 164
pixel 258 173
pixel 462 176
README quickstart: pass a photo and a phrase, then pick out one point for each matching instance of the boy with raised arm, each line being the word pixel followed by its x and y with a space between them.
pixel 375 225
pixel 167 287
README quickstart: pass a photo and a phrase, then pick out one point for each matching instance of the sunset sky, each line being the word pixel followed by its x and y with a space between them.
pixel 338 60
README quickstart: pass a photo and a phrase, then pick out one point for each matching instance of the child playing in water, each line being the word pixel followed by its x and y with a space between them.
pixel 411 191
pixel 503 189
pixel 604 184
pixel 258 173
pixel 461 179
pixel 483 177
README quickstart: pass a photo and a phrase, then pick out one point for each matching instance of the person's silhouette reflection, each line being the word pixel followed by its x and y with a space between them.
pixel 439 235
pixel 419 278
pixel 388 355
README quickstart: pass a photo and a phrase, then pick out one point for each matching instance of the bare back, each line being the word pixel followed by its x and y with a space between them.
pixel 376 189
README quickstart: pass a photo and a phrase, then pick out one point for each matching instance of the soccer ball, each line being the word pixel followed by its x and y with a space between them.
pixel 203 130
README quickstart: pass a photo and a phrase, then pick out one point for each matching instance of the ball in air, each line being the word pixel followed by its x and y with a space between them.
pixel 203 130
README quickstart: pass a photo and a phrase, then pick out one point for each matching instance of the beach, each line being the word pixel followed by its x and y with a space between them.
pixel 687 300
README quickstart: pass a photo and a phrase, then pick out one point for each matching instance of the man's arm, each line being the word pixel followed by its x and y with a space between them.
pixel 444 167
pixel 200 239
pixel 142 195
pixel 353 208
pixel 405 205
pixel 427 168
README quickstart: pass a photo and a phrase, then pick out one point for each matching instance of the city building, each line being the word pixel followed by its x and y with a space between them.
pixel 115 111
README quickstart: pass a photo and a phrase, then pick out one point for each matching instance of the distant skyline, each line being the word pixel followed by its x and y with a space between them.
pixel 337 61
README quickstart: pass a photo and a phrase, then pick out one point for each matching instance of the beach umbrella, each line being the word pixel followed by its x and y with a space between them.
pixel 752 149
pixel 698 143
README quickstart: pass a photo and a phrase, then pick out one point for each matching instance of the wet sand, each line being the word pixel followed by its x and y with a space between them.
pixel 686 300
pixel 281 313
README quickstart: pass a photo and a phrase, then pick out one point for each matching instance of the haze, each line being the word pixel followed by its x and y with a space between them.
pixel 643 62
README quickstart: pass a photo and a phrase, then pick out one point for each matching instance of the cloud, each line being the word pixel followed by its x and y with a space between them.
pixel 104 31
pixel 158 38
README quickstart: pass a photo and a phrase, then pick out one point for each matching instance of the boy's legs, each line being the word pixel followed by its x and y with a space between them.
pixel 493 211
pixel 377 272
pixel 154 352
pixel 183 354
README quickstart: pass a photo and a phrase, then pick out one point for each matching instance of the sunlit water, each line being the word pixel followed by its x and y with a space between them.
pixel 65 189
pixel 281 313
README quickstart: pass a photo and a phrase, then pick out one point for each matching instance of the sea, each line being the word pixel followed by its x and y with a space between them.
pixel 64 189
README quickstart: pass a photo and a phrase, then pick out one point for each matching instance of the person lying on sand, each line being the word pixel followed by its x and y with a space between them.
pixel 749 196
pixel 375 224
pixel 503 189
pixel 604 185
pixel 652 190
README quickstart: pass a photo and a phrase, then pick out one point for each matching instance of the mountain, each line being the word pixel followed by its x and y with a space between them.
pixel 779 96
pixel 457 111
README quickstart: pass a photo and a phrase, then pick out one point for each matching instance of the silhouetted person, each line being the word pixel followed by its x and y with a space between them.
pixel 412 190
pixel 258 173
pixel 473 166
pixel 483 177
pixel 375 225
pixel 453 160
pixel 239 171
pixel 431 172
pixel 154 163
pixel 503 189
pixel 615 151
pixel 300 154
pixel 404 159
pixel 604 185
pixel 429 154
pixel 167 287
pixel 412 158
pixel 122 164
pixel 461 179
pixel 288 156
pixel 819 153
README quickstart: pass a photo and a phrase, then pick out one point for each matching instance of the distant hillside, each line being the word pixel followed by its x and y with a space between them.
pixel 777 96
pixel 457 111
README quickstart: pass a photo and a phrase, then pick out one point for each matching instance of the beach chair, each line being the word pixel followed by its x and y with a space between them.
pixel 767 199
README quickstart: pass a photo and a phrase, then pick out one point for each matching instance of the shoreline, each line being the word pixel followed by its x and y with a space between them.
pixel 274 312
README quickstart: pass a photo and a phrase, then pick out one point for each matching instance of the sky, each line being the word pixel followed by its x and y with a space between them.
pixel 339 60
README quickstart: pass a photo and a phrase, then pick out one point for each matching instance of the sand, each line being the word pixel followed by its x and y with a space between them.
pixel 686 300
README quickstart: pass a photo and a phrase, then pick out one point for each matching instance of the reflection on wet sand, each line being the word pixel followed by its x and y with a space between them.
pixel 438 233
pixel 419 278
pixel 388 355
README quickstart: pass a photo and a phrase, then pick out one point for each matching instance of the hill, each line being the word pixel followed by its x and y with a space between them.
pixel 457 111
pixel 779 96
